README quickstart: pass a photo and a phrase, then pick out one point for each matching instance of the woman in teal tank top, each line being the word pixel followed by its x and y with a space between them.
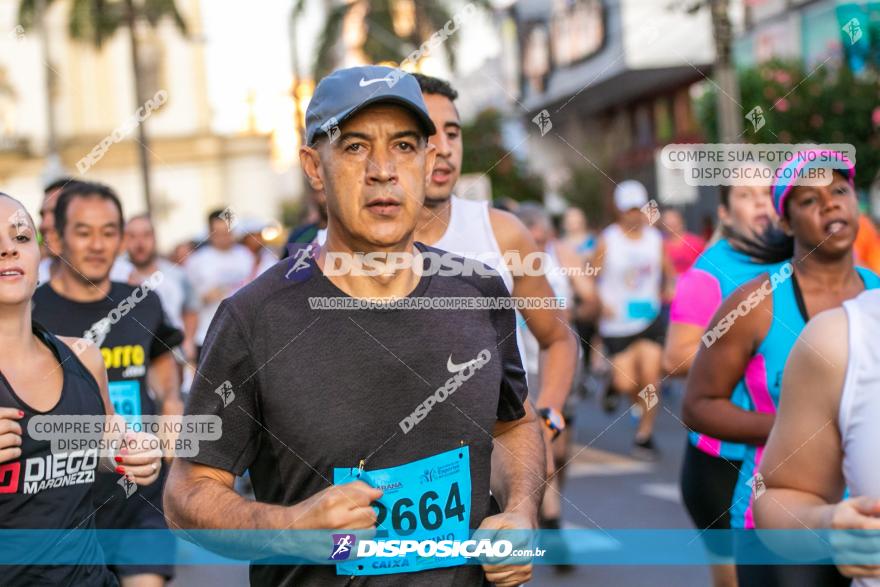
pixel 751 335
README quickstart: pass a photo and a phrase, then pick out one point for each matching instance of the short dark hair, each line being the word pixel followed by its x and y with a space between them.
pixel 83 189
pixel 434 85
pixel 218 214
pixel 57 184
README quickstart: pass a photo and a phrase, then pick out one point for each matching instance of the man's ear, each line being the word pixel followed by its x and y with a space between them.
pixel 430 157
pixel 310 161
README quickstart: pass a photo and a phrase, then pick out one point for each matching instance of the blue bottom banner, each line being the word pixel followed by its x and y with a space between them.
pixel 358 547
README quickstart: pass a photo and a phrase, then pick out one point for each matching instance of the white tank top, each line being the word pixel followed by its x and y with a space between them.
pixel 559 281
pixel 630 280
pixel 469 234
pixel 859 412
pixel 562 290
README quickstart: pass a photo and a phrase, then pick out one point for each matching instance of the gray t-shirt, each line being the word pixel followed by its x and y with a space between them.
pixel 318 389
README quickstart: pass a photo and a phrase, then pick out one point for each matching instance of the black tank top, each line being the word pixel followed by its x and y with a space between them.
pixel 42 490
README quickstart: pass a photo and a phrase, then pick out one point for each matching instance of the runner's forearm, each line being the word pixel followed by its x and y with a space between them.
pixel 719 418
pixel 205 503
pixel 519 467
pixel 790 509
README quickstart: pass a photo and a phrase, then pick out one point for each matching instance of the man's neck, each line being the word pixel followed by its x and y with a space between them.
pixel 78 289
pixel 433 221
pixel 396 284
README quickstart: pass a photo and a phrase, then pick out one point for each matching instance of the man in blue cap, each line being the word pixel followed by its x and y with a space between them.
pixel 365 418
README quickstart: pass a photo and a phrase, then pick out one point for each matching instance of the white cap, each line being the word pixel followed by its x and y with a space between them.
pixel 630 194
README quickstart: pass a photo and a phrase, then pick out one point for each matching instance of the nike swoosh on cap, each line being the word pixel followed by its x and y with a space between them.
pixel 366 82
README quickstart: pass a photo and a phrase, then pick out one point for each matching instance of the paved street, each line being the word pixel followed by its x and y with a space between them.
pixel 606 489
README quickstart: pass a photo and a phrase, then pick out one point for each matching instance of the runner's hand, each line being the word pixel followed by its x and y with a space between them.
pixel 10 434
pixel 508 575
pixel 339 507
pixel 139 459
pixel 858 513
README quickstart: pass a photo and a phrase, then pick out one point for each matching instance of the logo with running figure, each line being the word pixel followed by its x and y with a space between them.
pixel 649 396
pixel 127 485
pixel 19 220
pixel 343 544
pixel 331 129
pixel 757 485
pixel 756 117
pixel 854 29
pixel 229 216
pixel 299 263
pixel 652 211
pixel 225 392
pixel 542 119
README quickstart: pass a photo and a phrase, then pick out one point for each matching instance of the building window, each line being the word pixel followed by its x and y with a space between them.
pixel 577 30
pixel 663 119
pixel 642 126
pixel 536 58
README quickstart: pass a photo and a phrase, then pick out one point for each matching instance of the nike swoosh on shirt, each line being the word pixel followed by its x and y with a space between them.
pixel 453 368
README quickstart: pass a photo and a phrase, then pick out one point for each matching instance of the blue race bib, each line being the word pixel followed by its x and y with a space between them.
pixel 637 309
pixel 126 399
pixel 428 499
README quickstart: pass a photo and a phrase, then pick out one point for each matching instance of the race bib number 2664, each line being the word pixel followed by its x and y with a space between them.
pixel 428 499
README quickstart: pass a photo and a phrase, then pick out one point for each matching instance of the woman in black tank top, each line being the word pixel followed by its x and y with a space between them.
pixel 42 490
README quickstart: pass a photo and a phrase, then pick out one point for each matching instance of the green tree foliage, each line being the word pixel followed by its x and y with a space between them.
pixel 485 153
pixel 381 43
pixel 584 190
pixel 825 105
pixel 95 21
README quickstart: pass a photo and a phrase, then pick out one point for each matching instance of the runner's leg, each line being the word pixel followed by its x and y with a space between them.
pixel 647 360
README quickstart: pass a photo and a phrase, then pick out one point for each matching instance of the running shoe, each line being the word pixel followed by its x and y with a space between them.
pixel 645 450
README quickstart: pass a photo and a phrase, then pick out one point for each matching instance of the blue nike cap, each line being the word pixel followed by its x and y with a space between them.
pixel 346 91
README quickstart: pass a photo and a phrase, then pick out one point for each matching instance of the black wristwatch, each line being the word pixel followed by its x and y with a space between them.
pixel 553 420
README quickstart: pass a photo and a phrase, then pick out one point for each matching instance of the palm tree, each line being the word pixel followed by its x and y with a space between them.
pixel 95 22
pixel 415 20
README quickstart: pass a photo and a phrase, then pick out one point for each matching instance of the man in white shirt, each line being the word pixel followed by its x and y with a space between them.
pixel 216 270
pixel 249 233
pixel 175 291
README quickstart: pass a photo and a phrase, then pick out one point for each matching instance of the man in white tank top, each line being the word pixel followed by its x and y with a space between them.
pixel 826 435
pixel 474 229
pixel 633 273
